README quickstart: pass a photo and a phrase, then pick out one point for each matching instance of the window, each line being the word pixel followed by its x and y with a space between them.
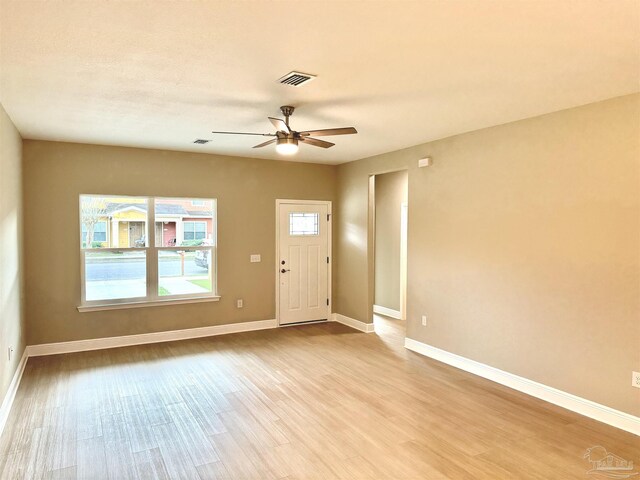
pixel 99 230
pixel 195 230
pixel 198 203
pixel 125 261
pixel 303 224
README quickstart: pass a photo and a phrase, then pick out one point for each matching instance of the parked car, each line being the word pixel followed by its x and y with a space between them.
pixel 202 259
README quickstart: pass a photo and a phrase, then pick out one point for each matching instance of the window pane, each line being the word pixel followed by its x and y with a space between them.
pixel 112 275
pixel 116 222
pixel 185 221
pixel 100 232
pixel 304 224
pixel 185 272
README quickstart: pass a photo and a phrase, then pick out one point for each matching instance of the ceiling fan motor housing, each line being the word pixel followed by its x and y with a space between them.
pixel 287 110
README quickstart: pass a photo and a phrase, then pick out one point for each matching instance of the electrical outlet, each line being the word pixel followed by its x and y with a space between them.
pixel 424 320
pixel 255 258
pixel 239 303
pixel 635 379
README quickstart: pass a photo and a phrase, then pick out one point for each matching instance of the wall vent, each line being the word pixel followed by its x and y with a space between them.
pixel 201 141
pixel 296 79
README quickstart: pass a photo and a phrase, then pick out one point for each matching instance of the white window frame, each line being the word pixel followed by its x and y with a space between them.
pixel 194 231
pixel 152 278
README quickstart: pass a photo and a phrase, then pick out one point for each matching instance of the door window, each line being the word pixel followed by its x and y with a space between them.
pixel 304 224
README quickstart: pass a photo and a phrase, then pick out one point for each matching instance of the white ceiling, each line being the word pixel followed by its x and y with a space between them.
pixel 161 74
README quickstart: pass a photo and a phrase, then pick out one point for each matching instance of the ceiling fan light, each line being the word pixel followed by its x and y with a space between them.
pixel 287 146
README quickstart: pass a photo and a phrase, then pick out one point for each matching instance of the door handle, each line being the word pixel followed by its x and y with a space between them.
pixel 285 270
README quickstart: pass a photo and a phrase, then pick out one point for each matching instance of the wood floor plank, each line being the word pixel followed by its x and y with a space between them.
pixel 240 459
pixel 150 465
pixel 213 471
pixel 191 435
pixel 117 447
pixel 69 473
pixel 204 411
pixel 139 428
pixel 92 459
pixel 309 402
pixel 174 452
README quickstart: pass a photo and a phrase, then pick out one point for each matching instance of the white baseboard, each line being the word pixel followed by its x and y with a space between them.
pixel 144 338
pixel 353 323
pixel 11 392
pixel 588 408
pixel 387 312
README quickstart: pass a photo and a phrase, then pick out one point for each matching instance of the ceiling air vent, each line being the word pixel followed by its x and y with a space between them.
pixel 201 141
pixel 296 79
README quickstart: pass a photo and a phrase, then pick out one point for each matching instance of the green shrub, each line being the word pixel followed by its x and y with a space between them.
pixel 191 243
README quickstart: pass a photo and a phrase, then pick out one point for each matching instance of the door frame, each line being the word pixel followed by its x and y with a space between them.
pixel 371 235
pixel 328 203
pixel 404 247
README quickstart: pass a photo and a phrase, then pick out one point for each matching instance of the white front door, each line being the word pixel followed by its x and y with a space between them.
pixel 303 262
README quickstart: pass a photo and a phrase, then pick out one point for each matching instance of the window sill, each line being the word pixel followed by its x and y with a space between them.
pixel 154 303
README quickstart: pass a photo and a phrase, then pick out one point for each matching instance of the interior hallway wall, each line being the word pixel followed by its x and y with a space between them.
pixel 390 194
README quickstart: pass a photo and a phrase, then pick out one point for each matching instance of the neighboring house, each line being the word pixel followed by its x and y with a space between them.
pixel 177 222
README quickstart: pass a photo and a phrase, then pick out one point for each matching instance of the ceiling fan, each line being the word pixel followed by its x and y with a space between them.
pixel 286 139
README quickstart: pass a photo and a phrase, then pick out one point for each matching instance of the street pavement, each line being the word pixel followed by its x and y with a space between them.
pixel 125 277
pixel 131 268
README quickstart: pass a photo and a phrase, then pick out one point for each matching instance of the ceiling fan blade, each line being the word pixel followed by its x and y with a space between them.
pixel 244 133
pixel 329 131
pixel 280 125
pixel 268 142
pixel 317 143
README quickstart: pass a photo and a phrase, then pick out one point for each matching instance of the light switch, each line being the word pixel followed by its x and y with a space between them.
pixel 255 258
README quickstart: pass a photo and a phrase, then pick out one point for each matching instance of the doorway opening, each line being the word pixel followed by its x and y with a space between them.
pixel 390 208
pixel 303 256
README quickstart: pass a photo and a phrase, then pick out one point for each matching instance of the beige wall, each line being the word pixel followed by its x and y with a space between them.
pixel 246 189
pixel 12 325
pixel 390 194
pixel 524 247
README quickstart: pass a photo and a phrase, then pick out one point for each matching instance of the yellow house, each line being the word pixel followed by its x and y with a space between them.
pixel 119 223
pixel 128 226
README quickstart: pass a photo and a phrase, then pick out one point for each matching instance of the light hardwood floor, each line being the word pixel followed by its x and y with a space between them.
pixel 317 401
